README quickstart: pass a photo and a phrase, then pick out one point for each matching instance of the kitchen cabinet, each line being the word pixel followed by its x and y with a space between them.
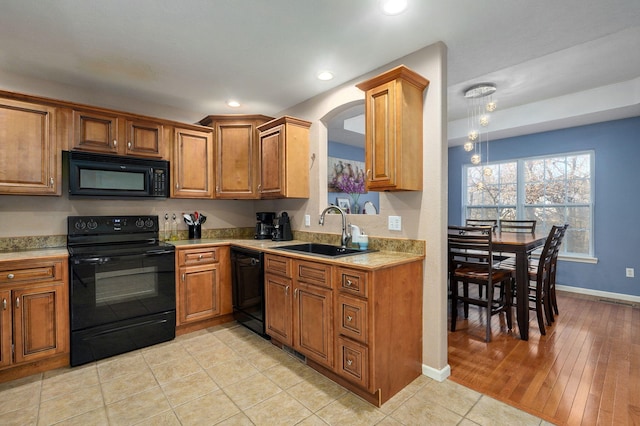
pixel 192 164
pixel 393 130
pixel 203 290
pixel 379 329
pixel 113 133
pixel 360 327
pixel 299 306
pixel 34 314
pixel 236 154
pixel 284 158
pixel 29 153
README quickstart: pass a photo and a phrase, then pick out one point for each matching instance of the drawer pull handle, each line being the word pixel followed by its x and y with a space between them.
pixel 17 303
pixel 349 362
pixel 349 318
pixel 4 304
pixel 286 291
pixel 11 276
pixel 349 282
pixel 183 277
pixel 115 143
pixel 129 145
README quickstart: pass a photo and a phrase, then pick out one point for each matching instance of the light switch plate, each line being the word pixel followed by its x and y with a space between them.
pixel 307 220
pixel 395 223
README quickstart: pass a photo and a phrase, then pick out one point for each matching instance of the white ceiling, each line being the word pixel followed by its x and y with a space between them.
pixel 194 55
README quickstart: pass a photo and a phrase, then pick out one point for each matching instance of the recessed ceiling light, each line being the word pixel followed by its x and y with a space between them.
pixel 325 75
pixel 233 104
pixel 393 7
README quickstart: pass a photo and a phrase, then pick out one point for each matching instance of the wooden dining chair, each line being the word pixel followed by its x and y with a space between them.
pixel 540 273
pixel 482 222
pixel 551 288
pixel 508 225
pixel 470 263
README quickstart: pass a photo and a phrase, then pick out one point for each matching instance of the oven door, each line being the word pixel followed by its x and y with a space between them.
pixel 108 289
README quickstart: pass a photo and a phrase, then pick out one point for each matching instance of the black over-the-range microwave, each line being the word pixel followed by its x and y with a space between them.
pixel 115 176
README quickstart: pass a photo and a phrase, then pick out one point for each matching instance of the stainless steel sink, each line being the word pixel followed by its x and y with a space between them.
pixel 323 250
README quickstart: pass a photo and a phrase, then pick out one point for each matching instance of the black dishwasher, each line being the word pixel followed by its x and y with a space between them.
pixel 248 288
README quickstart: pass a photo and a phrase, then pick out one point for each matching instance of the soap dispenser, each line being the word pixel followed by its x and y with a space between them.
pixel 355 234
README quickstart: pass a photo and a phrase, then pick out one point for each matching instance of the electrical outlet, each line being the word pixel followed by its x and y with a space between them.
pixel 307 220
pixel 630 272
pixel 395 223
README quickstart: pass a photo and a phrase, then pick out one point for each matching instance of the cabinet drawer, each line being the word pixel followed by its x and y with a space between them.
pixel 314 273
pixel 31 271
pixel 352 318
pixel 353 362
pixel 353 281
pixel 278 265
pixel 199 256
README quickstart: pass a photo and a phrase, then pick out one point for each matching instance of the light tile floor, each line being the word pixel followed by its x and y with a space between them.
pixel 229 376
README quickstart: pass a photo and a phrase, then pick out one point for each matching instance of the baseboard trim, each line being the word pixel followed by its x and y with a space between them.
pixel 598 294
pixel 439 375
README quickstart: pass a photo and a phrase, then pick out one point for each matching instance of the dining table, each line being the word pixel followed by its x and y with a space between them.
pixel 521 244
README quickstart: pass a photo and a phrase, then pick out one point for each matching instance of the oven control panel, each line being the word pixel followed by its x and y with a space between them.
pixel 102 225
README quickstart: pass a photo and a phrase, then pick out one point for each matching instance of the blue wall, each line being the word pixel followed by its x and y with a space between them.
pixel 617 202
pixel 350 152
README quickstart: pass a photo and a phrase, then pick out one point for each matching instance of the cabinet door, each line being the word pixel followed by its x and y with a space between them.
pixel 144 139
pixel 313 325
pixel 199 294
pixel 192 165
pixel 29 159
pixel 277 300
pixel 380 134
pixel 40 320
pixel 272 163
pixel 96 132
pixel 236 168
pixel 5 328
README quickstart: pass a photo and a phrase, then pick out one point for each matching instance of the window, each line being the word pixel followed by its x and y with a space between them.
pixel 553 190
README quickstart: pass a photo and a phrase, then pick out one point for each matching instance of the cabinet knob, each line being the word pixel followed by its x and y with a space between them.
pixel 349 318
pixel 286 291
pixel 4 304
pixel 10 276
pixel 295 293
pixel 182 277
pixel 200 257
pixel 349 282
pixel 17 303
pixel 50 181
pixel 349 362
pixel 129 144
pixel 115 143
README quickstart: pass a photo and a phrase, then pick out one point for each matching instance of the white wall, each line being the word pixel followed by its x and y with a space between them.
pixel 424 214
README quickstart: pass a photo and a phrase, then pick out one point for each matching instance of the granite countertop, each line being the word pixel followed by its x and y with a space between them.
pixel 31 254
pixel 371 260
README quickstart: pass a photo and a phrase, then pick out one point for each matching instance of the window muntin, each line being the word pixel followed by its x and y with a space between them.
pixel 553 190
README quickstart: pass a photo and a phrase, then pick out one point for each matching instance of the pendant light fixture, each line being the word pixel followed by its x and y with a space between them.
pixel 480 105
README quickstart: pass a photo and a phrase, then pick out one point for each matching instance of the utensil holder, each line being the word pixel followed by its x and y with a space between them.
pixel 195 232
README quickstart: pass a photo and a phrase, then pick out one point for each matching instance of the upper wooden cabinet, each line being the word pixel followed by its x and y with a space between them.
pixel 192 164
pixel 29 154
pixel 393 130
pixel 117 134
pixel 284 158
pixel 236 154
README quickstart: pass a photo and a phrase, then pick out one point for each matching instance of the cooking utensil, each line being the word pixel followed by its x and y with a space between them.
pixel 187 219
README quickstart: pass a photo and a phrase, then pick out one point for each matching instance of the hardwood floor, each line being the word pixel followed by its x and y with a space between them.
pixel 585 371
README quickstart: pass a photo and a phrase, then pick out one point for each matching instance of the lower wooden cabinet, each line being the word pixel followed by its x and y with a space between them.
pixel 34 313
pixel 299 306
pixel 360 327
pixel 203 285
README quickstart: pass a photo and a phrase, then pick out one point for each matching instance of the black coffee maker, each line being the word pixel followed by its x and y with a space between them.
pixel 264 225
pixel 282 228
